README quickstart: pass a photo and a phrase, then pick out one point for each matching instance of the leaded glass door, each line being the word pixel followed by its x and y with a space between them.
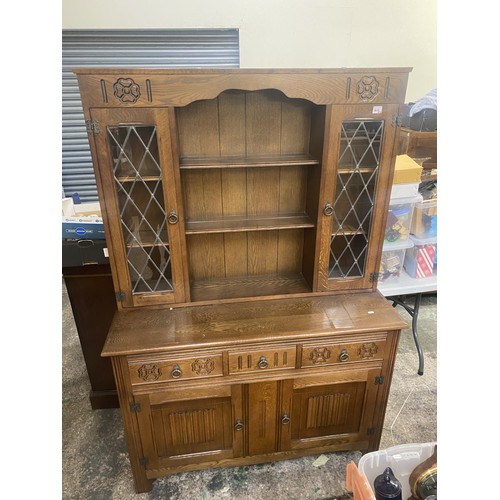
pixel 139 192
pixel 355 196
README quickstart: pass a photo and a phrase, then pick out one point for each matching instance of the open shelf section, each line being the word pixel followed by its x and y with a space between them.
pixel 248 286
pixel 290 160
pixel 241 223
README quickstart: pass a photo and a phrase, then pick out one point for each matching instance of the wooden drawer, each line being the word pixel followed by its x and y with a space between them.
pixel 171 369
pixel 333 353
pixel 246 361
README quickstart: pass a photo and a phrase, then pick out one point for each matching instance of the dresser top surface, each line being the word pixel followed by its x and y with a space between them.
pixel 154 330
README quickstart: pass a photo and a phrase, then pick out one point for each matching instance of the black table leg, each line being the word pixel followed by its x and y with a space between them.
pixel 413 312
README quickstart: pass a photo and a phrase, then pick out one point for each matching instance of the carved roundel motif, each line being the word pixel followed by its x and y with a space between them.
pixel 319 355
pixel 149 373
pixel 126 90
pixel 368 350
pixel 203 366
pixel 367 88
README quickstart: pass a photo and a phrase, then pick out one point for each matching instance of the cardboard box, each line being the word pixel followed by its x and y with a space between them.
pixel 82 221
pixel 407 170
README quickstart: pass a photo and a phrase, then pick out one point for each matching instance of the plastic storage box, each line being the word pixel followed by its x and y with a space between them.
pixel 402 459
pixel 393 256
pixel 419 260
pixel 399 218
pixel 424 222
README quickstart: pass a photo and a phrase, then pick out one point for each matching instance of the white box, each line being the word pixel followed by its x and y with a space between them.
pixel 407 190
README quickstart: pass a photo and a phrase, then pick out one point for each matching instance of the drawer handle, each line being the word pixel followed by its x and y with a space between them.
pixel 176 372
pixel 344 355
pixel 238 425
pixel 328 210
pixel 172 217
pixel 285 419
pixel 263 363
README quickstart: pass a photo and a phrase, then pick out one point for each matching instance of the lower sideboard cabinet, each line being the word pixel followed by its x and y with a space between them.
pixel 245 383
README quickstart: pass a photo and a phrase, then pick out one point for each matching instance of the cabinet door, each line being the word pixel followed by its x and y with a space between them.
pixel 357 175
pixel 186 427
pixel 329 410
pixel 138 189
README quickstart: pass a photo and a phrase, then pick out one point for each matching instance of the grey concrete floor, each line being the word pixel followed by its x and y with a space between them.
pixel 94 455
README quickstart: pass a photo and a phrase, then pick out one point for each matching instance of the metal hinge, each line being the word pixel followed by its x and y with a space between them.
pixel 135 407
pixel 397 120
pixel 374 277
pixel 143 461
pixel 379 380
pixel 92 126
pixel 120 296
pixel 370 431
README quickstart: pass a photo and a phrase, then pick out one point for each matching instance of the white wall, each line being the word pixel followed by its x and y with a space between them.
pixel 292 33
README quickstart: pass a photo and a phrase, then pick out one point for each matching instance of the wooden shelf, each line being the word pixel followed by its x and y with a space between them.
pixel 248 286
pixel 144 178
pixel 249 161
pixel 244 223
pixel 347 230
pixel 162 287
pixel 146 239
pixel 350 169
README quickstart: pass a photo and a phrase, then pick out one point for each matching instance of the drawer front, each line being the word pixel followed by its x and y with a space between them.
pixel 165 369
pixel 332 353
pixel 255 360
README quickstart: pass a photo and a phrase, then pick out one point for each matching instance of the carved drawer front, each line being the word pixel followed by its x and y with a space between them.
pixel 262 359
pixel 341 353
pixel 167 369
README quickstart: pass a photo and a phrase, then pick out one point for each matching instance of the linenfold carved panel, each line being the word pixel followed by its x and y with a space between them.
pixel 193 427
pixel 327 410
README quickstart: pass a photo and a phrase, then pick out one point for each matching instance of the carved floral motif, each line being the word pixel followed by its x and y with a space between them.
pixel 126 90
pixel 319 355
pixel 368 350
pixel 203 366
pixel 149 373
pixel 367 88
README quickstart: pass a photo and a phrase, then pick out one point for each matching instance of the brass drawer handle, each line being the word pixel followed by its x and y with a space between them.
pixel 328 210
pixel 344 355
pixel 285 419
pixel 238 425
pixel 172 217
pixel 176 372
pixel 263 363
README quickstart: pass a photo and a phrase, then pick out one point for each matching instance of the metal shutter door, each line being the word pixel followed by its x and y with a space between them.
pixel 126 48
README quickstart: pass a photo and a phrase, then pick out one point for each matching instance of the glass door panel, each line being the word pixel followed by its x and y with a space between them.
pixel 357 169
pixel 138 179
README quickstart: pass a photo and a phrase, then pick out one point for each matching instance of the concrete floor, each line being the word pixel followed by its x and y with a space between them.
pixel 94 455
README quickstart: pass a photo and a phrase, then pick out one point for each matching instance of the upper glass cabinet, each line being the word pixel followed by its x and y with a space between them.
pixel 353 194
pixel 128 143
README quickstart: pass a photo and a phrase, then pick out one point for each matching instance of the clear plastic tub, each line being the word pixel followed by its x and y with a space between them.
pixel 393 256
pixel 420 259
pixel 399 218
pixel 402 459
pixel 424 221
